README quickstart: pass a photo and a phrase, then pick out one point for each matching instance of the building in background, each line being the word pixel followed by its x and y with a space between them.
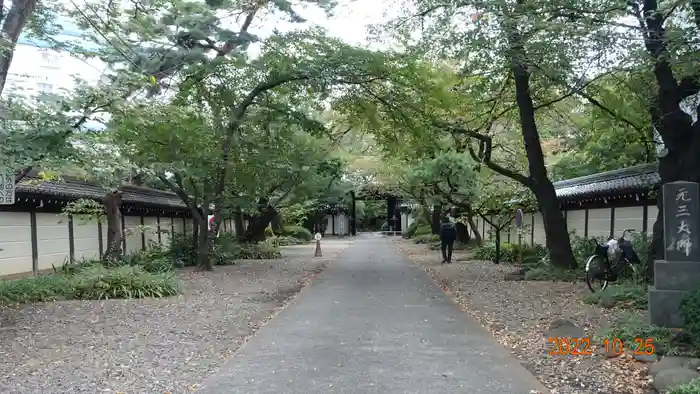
pixel 37 68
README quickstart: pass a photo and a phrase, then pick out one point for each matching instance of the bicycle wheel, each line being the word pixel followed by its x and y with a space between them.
pixel 596 273
pixel 625 269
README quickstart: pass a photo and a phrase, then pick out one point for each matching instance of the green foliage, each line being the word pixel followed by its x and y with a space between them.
pixel 227 250
pixel 84 209
pixel 94 281
pixel 155 259
pixel 412 229
pixel 423 229
pixel 624 122
pixel 690 388
pixel 625 294
pixel 183 250
pixel 286 241
pixel 297 232
pixel 632 326
pixel 690 313
pixel 99 282
pixel 426 238
pixel 510 252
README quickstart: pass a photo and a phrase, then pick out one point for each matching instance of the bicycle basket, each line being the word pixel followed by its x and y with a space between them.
pixel 614 250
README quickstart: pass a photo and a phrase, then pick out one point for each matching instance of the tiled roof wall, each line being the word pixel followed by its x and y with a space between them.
pixel 628 180
pixel 75 189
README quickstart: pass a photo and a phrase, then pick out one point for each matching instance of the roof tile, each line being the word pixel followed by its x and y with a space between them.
pixel 628 180
pixel 76 189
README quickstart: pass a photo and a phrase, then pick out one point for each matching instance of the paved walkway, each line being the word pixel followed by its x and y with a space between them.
pixel 373 322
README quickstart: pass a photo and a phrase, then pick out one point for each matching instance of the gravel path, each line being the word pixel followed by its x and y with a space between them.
pixel 152 345
pixel 518 313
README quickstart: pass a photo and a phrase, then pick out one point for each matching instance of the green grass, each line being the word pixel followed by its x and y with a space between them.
pixel 626 294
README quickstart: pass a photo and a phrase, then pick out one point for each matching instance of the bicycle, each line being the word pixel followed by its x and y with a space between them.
pixel 599 267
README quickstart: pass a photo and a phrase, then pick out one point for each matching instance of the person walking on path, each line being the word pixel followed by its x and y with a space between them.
pixel 448 234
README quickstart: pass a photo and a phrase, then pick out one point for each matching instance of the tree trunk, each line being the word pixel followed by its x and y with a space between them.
pixel 462 233
pixel 20 12
pixel 681 136
pixel 238 226
pixel 276 224
pixel 112 203
pixel 435 219
pixel 256 230
pixel 558 241
pixel 497 259
pixel 195 233
pixel 203 245
pixel 477 235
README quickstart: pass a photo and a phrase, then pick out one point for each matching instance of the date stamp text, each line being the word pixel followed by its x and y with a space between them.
pixel 582 346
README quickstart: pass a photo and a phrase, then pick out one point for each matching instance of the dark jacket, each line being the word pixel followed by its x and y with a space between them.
pixel 448 231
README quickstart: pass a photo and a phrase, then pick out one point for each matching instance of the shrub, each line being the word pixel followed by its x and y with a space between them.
pixel 631 326
pixel 641 243
pixel 93 282
pixel 285 241
pixel 412 228
pixel 689 388
pixel 269 232
pixel 628 294
pixel 423 229
pixel 227 249
pixel 426 238
pixel 154 259
pixel 99 282
pixel 34 289
pixel 690 313
pixel 511 253
pixel 73 267
pixel 182 250
pixel 297 232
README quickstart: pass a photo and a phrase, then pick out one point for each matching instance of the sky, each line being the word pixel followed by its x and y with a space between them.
pixel 349 21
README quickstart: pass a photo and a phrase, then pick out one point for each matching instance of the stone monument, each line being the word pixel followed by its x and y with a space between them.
pixel 679 272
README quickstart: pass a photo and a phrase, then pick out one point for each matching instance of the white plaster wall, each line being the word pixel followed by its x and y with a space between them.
pixel 527 228
pixel 133 234
pixel 599 222
pixel 652 211
pixel 629 217
pixel 85 240
pixel 576 221
pixel 52 240
pixel 177 225
pixel 539 235
pixel 166 230
pixel 406 220
pixel 152 230
pixel 329 224
pixel 342 224
pixel 15 242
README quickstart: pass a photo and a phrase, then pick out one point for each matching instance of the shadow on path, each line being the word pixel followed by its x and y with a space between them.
pixel 372 323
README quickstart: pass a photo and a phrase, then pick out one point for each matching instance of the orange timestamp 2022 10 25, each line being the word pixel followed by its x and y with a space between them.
pixel 560 346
